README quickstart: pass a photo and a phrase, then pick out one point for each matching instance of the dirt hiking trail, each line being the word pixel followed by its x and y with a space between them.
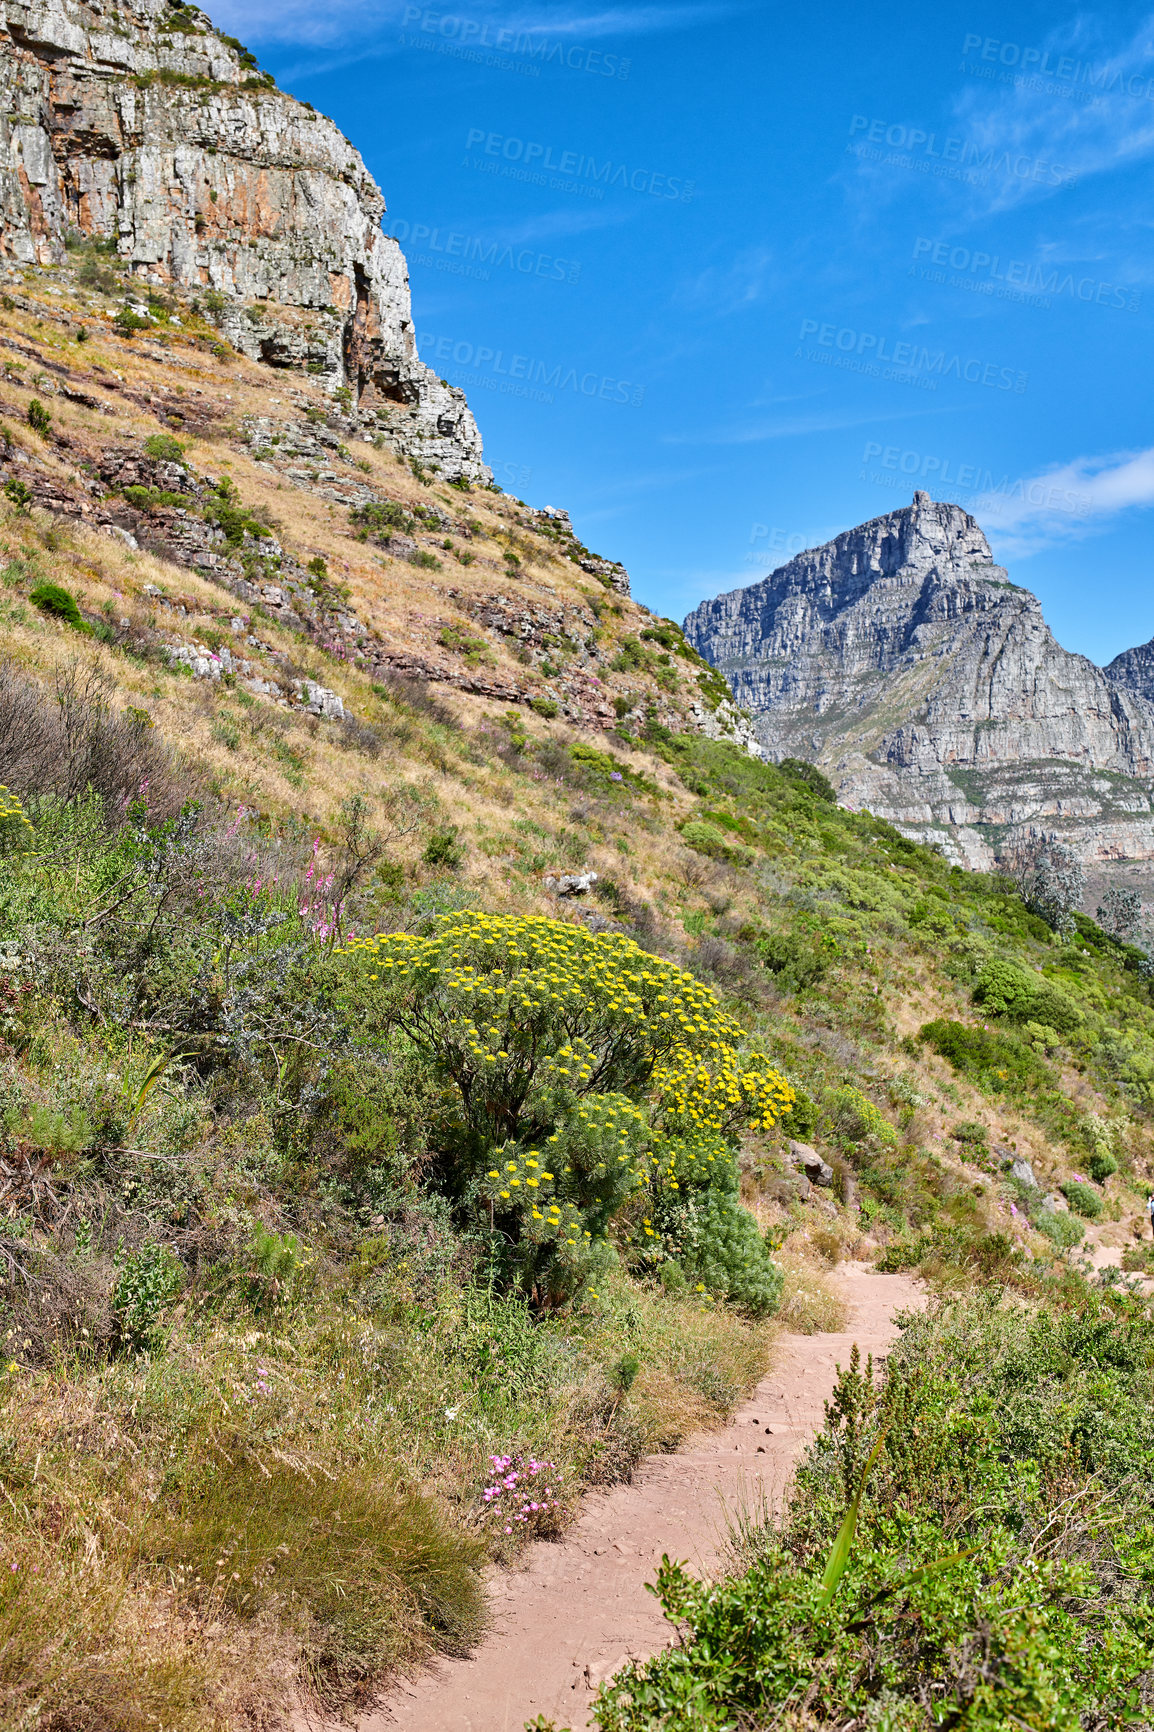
pixel 576 1609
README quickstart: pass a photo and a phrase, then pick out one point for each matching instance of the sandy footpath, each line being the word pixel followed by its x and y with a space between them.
pixel 574 1610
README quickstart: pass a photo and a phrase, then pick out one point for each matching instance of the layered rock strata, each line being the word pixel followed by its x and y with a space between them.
pixel 929 688
pixel 140 126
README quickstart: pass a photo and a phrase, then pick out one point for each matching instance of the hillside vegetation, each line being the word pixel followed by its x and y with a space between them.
pixel 299 998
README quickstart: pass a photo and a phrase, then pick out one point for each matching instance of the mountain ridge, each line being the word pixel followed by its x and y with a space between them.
pixel 901 658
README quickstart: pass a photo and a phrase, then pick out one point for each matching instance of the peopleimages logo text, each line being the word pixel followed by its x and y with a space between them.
pixel 540 159
pixel 478 34
pixel 922 147
pixel 875 348
pixel 474 250
pixel 1021 280
pixel 1036 63
pixel 981 484
pixel 522 376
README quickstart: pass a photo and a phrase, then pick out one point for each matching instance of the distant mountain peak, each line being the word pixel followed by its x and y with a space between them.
pixel 900 657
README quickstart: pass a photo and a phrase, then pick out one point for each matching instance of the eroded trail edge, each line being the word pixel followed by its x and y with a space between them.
pixel 577 1610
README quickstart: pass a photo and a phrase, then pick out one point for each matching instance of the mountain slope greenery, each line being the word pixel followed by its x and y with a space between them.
pixel 276 1341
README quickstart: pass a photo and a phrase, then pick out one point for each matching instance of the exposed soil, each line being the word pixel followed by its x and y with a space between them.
pixel 577 1609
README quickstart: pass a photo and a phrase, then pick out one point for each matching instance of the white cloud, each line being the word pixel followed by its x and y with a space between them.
pixel 1096 117
pixel 1067 502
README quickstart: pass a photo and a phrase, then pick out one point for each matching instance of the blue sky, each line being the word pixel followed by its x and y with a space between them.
pixel 726 279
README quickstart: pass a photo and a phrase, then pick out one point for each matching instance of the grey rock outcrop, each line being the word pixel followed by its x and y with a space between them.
pixel 806 1160
pixel 929 688
pixel 143 127
pixel 1134 669
pixel 571 883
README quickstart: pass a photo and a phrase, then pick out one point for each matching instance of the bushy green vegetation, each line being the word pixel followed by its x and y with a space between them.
pixel 249 1249
pixel 260 1256
pixel 55 599
pixel 580 1075
pixel 997 1574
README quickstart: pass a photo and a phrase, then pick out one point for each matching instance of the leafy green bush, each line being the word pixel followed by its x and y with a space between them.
pixel 1083 1199
pixel 799 771
pixel 706 838
pixel 1102 1164
pixel 547 707
pixel 383 516
pixel 147 1281
pixel 726 1255
pixel 444 848
pixel 52 598
pixel 997 1062
pixel 855 1117
pixel 164 448
pixel 1061 1229
pixel 577 1071
pixel 39 418
pixel 796 960
pixel 149 498
pixel 128 322
pixel 1003 989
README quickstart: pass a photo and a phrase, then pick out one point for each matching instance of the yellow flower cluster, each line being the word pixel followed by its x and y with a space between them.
pixel 15 828
pixel 721 1092
pixel 495 983
pixel 523 1184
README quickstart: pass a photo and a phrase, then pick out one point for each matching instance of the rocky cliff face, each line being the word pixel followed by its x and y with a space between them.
pixel 139 125
pixel 902 659
pixel 1134 669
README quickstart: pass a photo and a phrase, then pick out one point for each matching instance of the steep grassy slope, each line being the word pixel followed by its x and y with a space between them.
pixel 264 1332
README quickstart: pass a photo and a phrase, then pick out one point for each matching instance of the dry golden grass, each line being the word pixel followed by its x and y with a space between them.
pixel 810 1302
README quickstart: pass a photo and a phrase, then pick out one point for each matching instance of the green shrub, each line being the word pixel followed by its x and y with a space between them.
pixel 444 848
pixel 1061 1229
pixel 1003 989
pixel 706 838
pixel 149 498
pixel 797 961
pixel 997 1062
pixel 384 516
pixel 1102 1164
pixel 576 1072
pixel 855 1117
pixel 164 448
pixel 39 418
pixel 547 707
pixel 128 322
pixel 18 493
pixel 51 598
pixel 147 1281
pixel 801 1120
pixel 1083 1199
pixel 799 771
pixel 226 511
pixel 903 1587
pixel 727 1256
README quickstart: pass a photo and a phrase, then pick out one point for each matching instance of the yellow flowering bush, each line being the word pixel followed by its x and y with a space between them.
pixel 582 1069
pixel 15 828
